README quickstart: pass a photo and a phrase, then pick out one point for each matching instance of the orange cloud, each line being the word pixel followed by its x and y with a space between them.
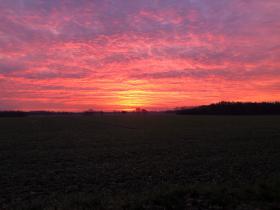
pixel 153 54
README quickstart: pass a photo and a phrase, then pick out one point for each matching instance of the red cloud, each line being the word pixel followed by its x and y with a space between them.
pixel 92 54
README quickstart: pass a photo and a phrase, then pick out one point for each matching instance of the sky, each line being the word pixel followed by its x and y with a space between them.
pixel 75 55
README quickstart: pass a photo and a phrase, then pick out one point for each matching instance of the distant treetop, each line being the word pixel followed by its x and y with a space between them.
pixel 234 108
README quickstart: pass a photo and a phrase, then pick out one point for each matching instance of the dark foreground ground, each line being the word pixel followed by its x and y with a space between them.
pixel 140 162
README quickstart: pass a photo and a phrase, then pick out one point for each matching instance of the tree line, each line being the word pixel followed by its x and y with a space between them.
pixel 234 108
pixel 32 113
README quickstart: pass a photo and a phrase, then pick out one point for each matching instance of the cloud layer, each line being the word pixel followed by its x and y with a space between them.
pixel 157 54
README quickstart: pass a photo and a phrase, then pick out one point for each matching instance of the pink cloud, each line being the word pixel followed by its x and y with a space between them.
pixel 107 55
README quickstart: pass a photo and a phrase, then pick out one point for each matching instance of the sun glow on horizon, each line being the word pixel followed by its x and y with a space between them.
pixel 131 99
pixel 151 54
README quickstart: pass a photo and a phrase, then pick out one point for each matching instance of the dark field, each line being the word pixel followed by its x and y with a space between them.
pixel 147 161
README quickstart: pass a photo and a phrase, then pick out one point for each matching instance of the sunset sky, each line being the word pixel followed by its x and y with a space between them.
pixel 75 55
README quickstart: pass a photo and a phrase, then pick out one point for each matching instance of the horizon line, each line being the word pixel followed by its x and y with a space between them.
pixel 132 110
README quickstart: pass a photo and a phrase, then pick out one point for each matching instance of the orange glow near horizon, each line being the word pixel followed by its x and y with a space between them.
pixel 130 99
pixel 150 54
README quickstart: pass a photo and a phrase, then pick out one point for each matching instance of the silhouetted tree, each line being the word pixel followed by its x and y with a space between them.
pixel 13 114
pixel 140 110
pixel 234 108
pixel 89 112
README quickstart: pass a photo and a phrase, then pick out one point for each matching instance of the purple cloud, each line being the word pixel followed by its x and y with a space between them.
pixel 96 45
